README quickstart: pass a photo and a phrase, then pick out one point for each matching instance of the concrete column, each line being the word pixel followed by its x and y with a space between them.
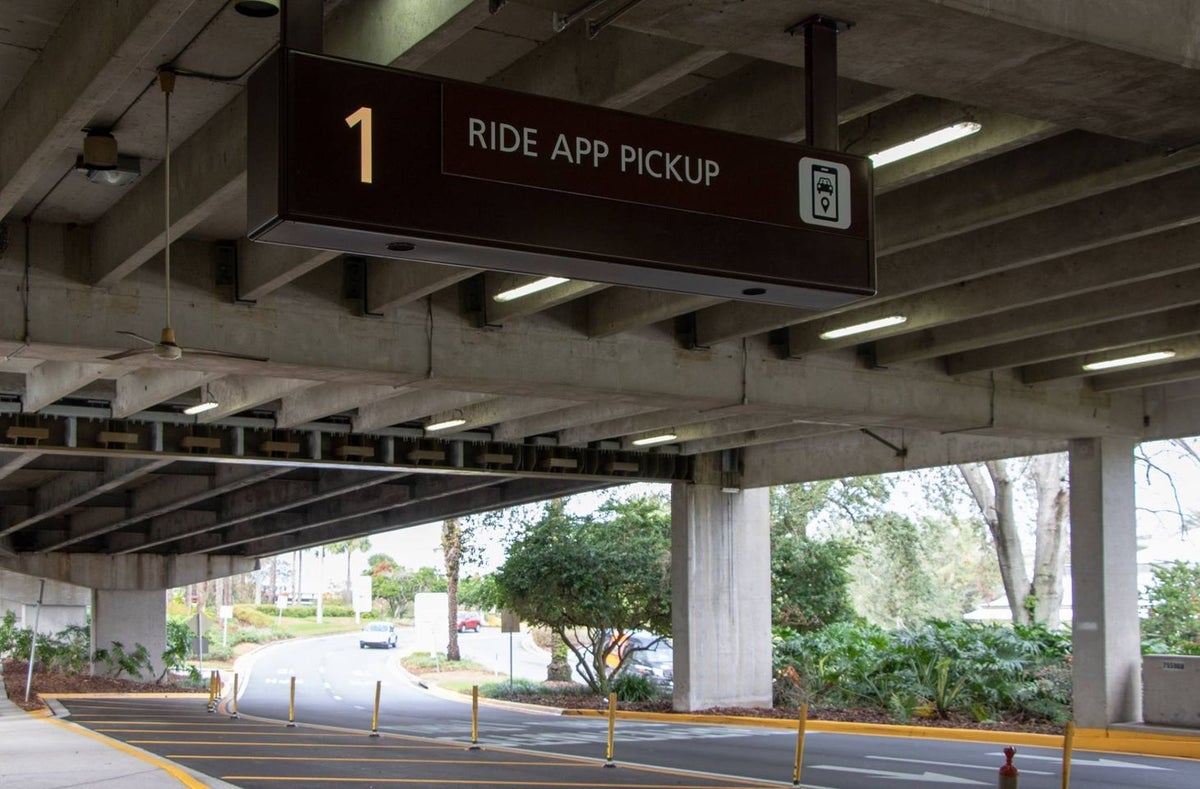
pixel 721 596
pixel 1106 630
pixel 62 604
pixel 131 617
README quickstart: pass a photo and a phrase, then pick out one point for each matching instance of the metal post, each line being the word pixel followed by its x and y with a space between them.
pixel 199 636
pixel 1068 746
pixel 612 727
pixel 1008 773
pixel 292 705
pixel 803 723
pixel 235 695
pixel 37 621
pixel 474 718
pixel 375 716
pixel 820 79
pixel 510 660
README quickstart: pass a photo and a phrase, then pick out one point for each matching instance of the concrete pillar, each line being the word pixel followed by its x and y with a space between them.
pixel 1106 630
pixel 131 617
pixel 63 604
pixel 721 596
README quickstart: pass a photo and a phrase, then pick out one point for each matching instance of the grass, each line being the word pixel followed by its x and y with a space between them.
pixel 422 661
pixel 306 627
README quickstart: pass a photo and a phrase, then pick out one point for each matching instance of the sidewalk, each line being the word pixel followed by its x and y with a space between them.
pixel 39 751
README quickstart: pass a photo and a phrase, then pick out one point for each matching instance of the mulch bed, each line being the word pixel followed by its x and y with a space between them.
pixel 55 682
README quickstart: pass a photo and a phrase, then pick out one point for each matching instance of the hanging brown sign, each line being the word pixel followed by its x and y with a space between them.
pixel 385 163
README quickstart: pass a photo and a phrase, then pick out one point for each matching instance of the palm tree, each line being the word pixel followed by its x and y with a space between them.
pixel 349 547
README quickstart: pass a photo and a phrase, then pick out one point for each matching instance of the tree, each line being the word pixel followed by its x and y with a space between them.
pixel 350 547
pixel 593 580
pixel 991 486
pixel 1173 624
pixel 452 548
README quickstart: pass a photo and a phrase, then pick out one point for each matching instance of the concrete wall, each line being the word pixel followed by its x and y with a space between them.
pixel 63 604
pixel 721 590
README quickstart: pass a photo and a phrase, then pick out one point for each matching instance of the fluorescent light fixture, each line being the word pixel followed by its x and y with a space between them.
pixel 200 408
pixel 1125 361
pixel 645 442
pixel 860 328
pixel 444 425
pixel 532 287
pixel 924 143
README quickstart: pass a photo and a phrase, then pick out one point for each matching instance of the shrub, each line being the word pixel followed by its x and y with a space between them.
pixel 218 652
pixel 634 687
pixel 251 616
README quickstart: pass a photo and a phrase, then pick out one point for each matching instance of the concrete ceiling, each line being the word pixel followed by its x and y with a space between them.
pixel 1065 231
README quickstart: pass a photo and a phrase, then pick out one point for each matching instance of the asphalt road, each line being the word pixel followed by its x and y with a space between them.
pixel 336 686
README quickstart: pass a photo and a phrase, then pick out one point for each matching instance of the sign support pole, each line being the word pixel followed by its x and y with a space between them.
pixel 820 79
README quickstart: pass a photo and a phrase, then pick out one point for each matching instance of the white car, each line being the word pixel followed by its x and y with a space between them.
pixel 378 634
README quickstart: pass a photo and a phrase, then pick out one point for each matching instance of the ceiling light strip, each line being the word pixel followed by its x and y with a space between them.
pixel 1126 361
pixel 924 143
pixel 528 289
pixel 862 328
pixel 650 440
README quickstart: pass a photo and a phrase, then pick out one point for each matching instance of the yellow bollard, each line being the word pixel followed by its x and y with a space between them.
pixel 375 716
pixel 292 705
pixel 235 695
pixel 474 718
pixel 612 725
pixel 800 744
pixel 1068 744
pixel 212 692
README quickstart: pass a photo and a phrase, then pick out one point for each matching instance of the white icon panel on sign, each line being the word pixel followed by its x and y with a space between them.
pixel 824 193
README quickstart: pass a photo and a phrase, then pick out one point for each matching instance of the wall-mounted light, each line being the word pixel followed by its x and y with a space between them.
pixel 257 8
pixel 445 425
pixel 102 163
pixel 1126 361
pixel 530 288
pixel 924 143
pixel 861 328
pixel 650 440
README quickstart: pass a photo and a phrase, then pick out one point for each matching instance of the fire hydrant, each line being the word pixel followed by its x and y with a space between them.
pixel 1008 773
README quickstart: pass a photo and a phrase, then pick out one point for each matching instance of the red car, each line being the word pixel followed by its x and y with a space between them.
pixel 468 621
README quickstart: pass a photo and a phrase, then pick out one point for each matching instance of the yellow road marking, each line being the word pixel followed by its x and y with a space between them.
pixel 165 766
pixel 461 782
pixel 533 763
pixel 232 730
pixel 277 744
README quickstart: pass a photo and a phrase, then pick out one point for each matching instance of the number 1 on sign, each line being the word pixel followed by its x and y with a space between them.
pixel 362 118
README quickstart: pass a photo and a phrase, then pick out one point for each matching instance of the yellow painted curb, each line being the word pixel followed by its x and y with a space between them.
pixel 112 695
pixel 1101 740
pixel 168 767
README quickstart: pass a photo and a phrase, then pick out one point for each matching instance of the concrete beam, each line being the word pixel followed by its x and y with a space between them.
pixel 516 430
pixel 411 407
pixel 52 381
pixel 393 283
pixel 265 268
pixel 1163 293
pixel 851 453
pixel 93 52
pixel 158 498
pixel 400 33
pixel 324 400
pixel 11 462
pixel 495 313
pixel 73 489
pixel 207 171
pixel 714 428
pixel 759 437
pixel 501 409
pixel 237 393
pixel 1120 264
pixel 135 571
pixel 141 389
pixel 645 422
pixel 622 309
pixel 1076 342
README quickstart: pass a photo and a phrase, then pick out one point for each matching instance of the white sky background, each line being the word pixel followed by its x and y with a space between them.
pixel 1158 524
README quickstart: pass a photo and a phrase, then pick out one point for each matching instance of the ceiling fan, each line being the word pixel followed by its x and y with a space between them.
pixel 166 347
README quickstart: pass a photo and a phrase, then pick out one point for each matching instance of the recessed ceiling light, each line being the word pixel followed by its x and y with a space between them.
pixel 445 425
pixel 1125 361
pixel 257 8
pixel 860 328
pixel 924 143
pixel 661 439
pixel 532 287
pixel 200 408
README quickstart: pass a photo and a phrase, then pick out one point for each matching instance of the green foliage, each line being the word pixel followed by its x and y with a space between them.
pixel 635 687
pixel 525 687
pixel 934 669
pixel 301 612
pixel 117 661
pixel 477 592
pixel 593 579
pixel 1173 624
pixel 257 635
pixel 251 616
pixel 179 646
pixel 795 507
pixel 217 651
pixel 810 582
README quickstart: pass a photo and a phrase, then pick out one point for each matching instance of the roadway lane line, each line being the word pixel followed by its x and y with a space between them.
pixel 170 769
pixel 471 782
